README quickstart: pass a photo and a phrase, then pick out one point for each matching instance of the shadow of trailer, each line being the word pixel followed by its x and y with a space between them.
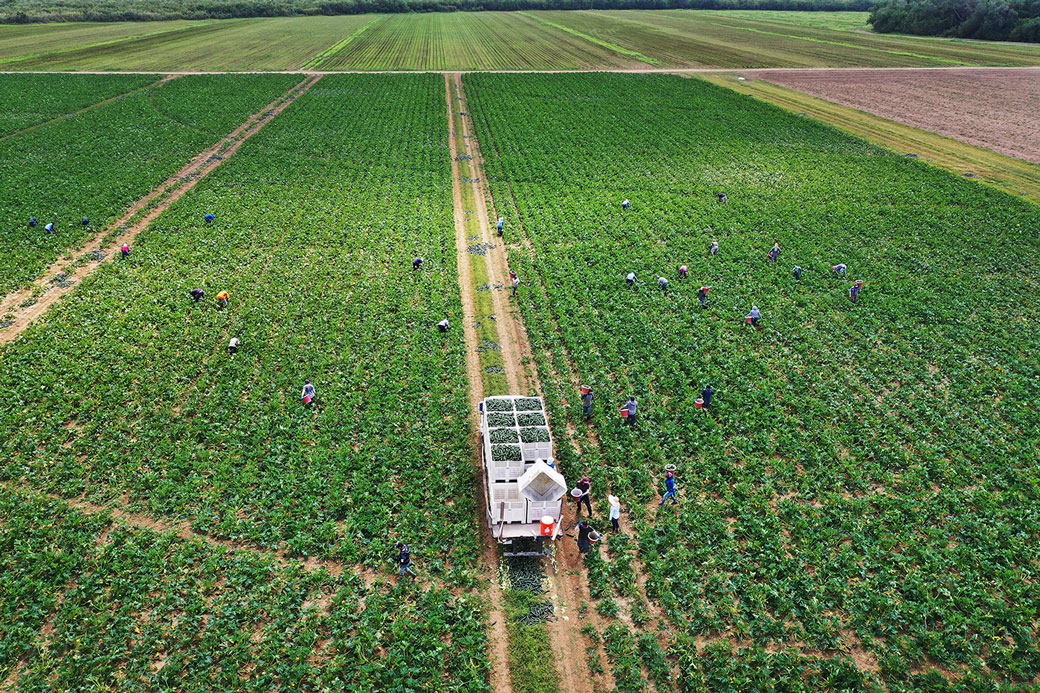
pixel 523 490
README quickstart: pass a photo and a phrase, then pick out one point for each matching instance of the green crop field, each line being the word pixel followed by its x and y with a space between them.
pixel 135 398
pixel 98 163
pixel 858 507
pixel 539 40
pixel 34 99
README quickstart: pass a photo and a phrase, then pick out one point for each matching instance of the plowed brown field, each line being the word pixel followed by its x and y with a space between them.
pixel 996 108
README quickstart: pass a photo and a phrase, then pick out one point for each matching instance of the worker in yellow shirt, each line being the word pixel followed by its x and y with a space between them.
pixel 222 299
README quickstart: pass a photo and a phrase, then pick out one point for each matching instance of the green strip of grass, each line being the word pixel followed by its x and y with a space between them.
pixel 531 659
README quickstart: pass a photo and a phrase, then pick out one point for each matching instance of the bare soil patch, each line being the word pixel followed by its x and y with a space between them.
pixel 991 108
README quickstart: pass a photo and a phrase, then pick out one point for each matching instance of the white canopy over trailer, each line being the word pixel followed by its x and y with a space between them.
pixel 522 486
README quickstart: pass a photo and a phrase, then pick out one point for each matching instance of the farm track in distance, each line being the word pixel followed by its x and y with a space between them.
pixel 26 311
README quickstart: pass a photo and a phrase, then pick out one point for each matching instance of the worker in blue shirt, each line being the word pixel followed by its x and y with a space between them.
pixel 33 222
pixel 669 482
pixel 209 218
pixel 706 394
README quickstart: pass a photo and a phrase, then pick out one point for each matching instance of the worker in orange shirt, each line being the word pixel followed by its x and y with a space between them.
pixel 222 299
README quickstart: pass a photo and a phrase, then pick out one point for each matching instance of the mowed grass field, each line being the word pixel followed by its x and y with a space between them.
pixel 550 40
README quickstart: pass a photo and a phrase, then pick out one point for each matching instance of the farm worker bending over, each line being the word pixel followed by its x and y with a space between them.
pixel 33 222
pixel 722 198
pixel 754 316
pixel 797 272
pixel 404 559
pixel 586 403
pixel 854 291
pixel 584 530
pixel 839 269
pixel 49 228
pixel 197 295
pixel 775 252
pixel 706 394
pixel 669 482
pixel 631 407
pixel 615 513
pixel 209 218
pixel 585 486
pixel 222 299
pixel 417 263
pixel 125 250
pixel 625 204
pixel 683 272
pixel 516 283
pixel 715 247
pixel 86 221
pixel 443 325
pixel 630 278
pixel 501 225
pixel 662 284
pixel 702 296
pixel 232 346
pixel 309 393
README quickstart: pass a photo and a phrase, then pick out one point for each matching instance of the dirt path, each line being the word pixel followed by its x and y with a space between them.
pixel 29 304
pixel 499 639
pixel 567 583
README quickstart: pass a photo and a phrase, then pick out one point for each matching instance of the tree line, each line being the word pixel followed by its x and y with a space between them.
pixel 26 11
pixel 994 20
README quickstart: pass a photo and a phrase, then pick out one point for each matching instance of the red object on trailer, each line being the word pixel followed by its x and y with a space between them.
pixel 547 525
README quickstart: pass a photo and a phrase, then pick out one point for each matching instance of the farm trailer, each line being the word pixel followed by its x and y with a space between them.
pixel 521 484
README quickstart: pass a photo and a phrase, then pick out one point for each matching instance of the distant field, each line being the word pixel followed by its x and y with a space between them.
pixel 18 41
pixel 470 41
pixel 695 38
pixel 281 43
pixel 541 40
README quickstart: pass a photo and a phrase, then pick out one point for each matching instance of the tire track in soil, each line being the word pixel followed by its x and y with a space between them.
pixel 567 581
pixel 497 636
pixel 139 521
pixel 27 305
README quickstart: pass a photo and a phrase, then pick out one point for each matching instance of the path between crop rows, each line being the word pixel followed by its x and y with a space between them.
pixel 63 276
pixel 567 583
pixel 497 636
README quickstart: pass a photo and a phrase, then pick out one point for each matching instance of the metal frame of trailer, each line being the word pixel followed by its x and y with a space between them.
pixel 520 492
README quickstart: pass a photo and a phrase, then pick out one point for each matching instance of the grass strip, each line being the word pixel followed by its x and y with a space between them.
pixel 531 659
pixel 1009 174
